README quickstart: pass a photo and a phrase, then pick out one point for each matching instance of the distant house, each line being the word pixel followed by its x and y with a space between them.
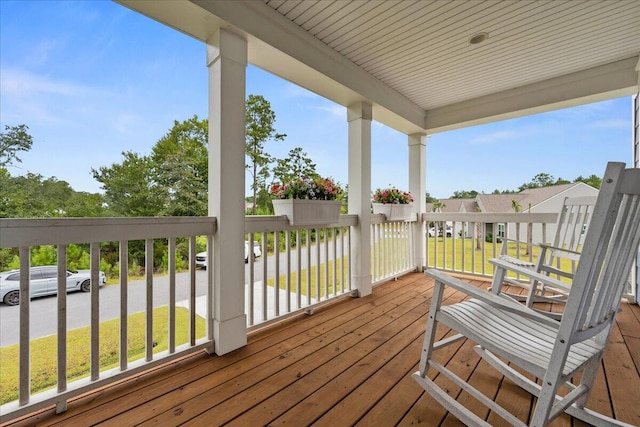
pixel 535 200
pixel 454 205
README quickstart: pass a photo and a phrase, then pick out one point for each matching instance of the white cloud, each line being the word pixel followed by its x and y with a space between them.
pixel 22 83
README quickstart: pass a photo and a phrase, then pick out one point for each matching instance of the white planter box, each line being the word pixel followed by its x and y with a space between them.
pixel 394 212
pixel 308 212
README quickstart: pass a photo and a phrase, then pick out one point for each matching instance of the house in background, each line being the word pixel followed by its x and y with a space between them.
pixel 534 200
pixel 454 206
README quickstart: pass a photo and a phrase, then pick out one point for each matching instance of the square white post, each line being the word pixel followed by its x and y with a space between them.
pixel 359 116
pixel 418 188
pixel 227 62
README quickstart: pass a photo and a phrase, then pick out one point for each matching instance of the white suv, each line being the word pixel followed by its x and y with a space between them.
pixel 201 257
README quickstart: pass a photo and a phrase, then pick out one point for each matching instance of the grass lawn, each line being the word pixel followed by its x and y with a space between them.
pixel 472 260
pixel 311 285
pixel 44 350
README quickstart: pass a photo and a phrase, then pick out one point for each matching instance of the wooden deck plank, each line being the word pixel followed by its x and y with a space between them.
pixel 620 369
pixel 348 364
pixel 375 337
pixel 335 397
pixel 266 379
pixel 627 320
pixel 288 338
pixel 633 344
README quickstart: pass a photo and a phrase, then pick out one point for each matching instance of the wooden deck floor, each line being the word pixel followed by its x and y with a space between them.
pixel 347 364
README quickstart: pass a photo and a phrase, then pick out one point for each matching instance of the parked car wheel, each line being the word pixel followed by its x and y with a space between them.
pixel 85 286
pixel 12 298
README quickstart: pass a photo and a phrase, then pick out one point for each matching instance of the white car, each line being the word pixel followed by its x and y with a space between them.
pixel 449 232
pixel 201 257
pixel 43 281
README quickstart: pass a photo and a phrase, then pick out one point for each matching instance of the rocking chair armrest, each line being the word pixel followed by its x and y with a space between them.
pixel 506 241
pixel 575 255
pixel 532 274
pixel 488 297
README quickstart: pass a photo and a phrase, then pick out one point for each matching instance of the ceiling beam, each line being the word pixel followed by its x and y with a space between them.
pixel 608 81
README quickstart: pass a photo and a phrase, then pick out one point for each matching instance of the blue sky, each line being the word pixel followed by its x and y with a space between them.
pixel 93 79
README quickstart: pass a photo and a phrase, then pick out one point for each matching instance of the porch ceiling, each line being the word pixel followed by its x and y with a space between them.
pixel 413 59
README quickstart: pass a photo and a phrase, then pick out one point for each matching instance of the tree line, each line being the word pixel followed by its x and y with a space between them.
pixel 172 180
pixel 540 180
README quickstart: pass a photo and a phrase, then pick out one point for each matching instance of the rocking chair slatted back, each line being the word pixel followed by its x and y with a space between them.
pixel 599 282
pixel 558 259
pixel 575 215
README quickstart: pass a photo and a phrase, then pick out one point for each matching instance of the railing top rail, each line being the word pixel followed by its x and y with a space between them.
pixel 32 232
pixel 381 219
pixel 513 217
pixel 260 223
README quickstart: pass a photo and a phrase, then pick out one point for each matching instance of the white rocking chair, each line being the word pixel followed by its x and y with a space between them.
pixel 558 259
pixel 509 333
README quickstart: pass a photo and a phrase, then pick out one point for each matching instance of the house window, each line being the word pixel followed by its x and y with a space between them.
pixel 500 230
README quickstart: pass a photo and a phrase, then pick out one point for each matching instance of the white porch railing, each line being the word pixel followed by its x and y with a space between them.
pixel 476 237
pixel 26 233
pixel 308 267
pixel 305 268
pixel 391 248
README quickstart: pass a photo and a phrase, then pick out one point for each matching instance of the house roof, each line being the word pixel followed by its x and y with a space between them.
pixel 529 197
pixel 413 61
pixel 449 205
pixel 498 202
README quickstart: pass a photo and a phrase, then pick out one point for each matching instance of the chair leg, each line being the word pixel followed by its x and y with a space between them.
pixel 588 378
pixel 430 332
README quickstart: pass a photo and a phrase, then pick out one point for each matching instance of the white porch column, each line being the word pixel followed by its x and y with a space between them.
pixel 227 61
pixel 359 117
pixel 418 187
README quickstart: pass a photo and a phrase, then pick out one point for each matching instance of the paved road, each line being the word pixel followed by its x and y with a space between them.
pixel 44 310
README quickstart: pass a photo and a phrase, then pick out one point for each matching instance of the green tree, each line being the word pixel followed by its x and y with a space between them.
pixel 592 180
pixel 180 168
pixel 86 205
pixel 129 186
pixel 438 205
pixel 33 196
pixel 517 207
pixel 297 164
pixel 464 194
pixel 259 129
pixel 540 180
pixel 7 205
pixel 430 199
pixel 12 141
